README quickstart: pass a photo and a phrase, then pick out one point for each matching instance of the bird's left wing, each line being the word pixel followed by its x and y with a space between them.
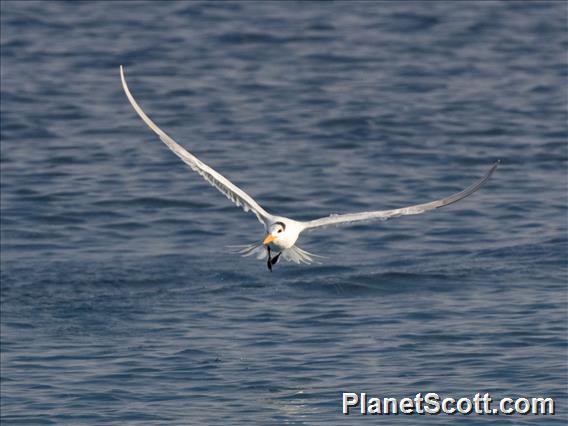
pixel 231 191
pixel 386 214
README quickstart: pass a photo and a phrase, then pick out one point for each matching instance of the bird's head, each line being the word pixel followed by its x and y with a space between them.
pixel 276 230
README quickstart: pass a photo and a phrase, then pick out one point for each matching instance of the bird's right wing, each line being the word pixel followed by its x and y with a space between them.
pixel 231 191
pixel 386 214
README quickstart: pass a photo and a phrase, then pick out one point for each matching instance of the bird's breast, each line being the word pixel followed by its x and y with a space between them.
pixel 280 244
pixel 277 246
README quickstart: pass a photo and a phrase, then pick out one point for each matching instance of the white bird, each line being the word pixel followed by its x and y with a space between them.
pixel 282 232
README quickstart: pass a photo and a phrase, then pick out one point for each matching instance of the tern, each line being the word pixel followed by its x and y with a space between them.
pixel 282 232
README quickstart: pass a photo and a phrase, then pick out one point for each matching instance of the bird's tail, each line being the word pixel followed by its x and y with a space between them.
pixel 297 255
pixel 259 250
pixel 294 254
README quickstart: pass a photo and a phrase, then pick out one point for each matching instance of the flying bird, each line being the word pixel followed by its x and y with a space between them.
pixel 282 232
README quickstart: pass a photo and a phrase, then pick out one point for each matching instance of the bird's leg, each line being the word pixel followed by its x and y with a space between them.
pixel 275 259
pixel 269 261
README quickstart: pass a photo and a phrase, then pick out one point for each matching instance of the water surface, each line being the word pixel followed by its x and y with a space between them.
pixel 120 303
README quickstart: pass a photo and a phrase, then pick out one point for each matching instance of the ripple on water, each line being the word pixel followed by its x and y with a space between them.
pixel 119 301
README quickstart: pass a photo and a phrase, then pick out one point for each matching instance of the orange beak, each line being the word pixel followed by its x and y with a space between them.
pixel 269 238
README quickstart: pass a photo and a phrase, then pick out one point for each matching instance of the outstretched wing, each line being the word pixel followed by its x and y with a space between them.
pixel 386 214
pixel 231 191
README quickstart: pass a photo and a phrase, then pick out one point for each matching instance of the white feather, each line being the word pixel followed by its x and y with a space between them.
pixel 224 185
pixel 285 231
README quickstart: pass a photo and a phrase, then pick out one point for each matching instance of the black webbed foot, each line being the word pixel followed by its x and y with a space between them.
pixel 274 260
pixel 269 261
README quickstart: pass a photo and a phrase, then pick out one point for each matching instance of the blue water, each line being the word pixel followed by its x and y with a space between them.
pixel 120 303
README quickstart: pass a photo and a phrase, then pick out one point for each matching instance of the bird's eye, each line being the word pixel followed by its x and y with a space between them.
pixel 279 231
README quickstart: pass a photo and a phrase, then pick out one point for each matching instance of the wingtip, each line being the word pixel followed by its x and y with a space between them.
pixel 123 78
pixel 492 169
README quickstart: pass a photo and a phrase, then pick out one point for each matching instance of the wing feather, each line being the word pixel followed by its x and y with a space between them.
pixel 386 214
pixel 226 187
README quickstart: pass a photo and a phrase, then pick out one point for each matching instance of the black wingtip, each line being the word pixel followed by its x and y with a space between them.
pixel 493 167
